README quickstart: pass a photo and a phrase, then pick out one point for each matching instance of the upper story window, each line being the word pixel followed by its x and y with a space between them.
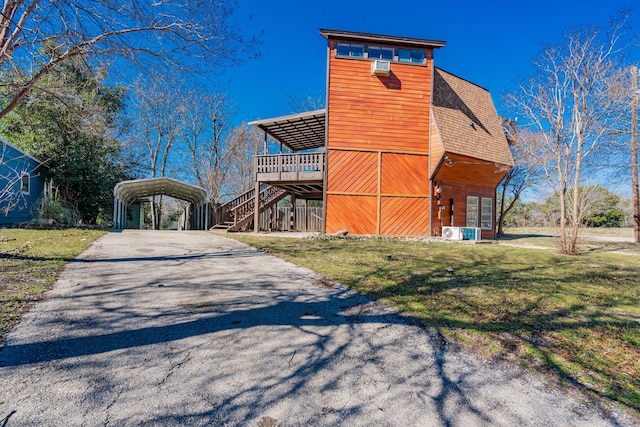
pixel 415 56
pixel 404 55
pixel 350 49
pixel 377 52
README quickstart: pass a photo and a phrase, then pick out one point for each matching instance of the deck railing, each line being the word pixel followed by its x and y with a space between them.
pixel 290 167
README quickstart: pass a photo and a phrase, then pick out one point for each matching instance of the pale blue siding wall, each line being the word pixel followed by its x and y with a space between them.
pixel 13 163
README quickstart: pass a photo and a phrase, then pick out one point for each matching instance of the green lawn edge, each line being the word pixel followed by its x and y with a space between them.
pixel 576 319
pixel 31 262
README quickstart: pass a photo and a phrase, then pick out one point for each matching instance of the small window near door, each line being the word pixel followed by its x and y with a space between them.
pixel 487 213
pixel 472 211
pixel 25 183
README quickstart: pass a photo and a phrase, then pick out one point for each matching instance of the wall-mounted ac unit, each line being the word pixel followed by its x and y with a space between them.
pixel 380 67
pixel 451 233
pixel 470 233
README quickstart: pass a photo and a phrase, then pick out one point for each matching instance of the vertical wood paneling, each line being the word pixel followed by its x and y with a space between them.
pixel 405 174
pixel 357 214
pixel 352 171
pixel 404 216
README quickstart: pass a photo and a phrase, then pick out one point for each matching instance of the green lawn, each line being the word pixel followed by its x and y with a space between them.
pixel 576 318
pixel 595 231
pixel 30 262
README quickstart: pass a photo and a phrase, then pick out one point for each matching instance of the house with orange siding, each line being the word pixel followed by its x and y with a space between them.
pixel 403 148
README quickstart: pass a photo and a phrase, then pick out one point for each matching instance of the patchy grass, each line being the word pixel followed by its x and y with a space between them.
pixel 615 240
pixel 577 318
pixel 590 231
pixel 30 262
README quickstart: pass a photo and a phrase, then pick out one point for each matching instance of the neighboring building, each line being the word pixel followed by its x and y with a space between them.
pixel 403 148
pixel 22 179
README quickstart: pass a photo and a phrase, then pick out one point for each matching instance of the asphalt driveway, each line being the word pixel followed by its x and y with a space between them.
pixel 191 328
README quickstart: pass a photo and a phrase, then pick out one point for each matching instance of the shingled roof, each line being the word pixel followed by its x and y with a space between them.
pixel 467 119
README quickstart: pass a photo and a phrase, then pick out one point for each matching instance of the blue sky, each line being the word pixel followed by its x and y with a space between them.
pixel 490 43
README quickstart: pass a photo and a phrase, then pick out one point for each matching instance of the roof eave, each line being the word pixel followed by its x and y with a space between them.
pixel 18 149
pixel 382 38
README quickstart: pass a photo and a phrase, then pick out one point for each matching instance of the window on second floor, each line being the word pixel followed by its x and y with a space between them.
pixel 350 49
pixel 377 52
pixel 415 56
pixel 404 55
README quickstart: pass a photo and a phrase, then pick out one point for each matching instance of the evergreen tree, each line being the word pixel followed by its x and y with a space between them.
pixel 72 122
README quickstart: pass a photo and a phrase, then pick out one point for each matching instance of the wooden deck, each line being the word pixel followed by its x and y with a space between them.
pixel 301 174
pixel 298 167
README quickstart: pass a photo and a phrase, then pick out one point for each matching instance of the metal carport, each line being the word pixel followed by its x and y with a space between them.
pixel 126 192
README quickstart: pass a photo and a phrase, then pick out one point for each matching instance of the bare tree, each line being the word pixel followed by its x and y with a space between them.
pixel 567 103
pixel 522 176
pixel 167 31
pixel 303 101
pixel 635 186
pixel 160 119
pixel 207 139
pixel 248 142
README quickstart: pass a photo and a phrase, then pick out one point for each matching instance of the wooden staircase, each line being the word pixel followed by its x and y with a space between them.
pixel 237 213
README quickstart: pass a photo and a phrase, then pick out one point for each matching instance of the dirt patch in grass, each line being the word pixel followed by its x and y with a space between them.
pixel 30 262
pixel 576 318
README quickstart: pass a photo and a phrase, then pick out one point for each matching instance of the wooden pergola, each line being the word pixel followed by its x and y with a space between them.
pixel 301 173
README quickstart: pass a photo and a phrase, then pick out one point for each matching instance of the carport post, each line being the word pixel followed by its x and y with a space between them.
pixel 115 213
pixel 123 219
pixel 206 216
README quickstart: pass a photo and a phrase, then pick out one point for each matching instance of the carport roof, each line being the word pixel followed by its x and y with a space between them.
pixel 302 131
pixel 128 191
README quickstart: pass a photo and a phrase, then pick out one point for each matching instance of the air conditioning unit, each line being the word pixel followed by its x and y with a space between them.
pixel 380 67
pixel 451 233
pixel 471 233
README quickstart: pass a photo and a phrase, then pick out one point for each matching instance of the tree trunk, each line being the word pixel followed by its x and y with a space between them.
pixel 501 214
pixel 635 190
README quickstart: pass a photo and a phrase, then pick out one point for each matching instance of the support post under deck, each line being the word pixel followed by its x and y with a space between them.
pixel 256 208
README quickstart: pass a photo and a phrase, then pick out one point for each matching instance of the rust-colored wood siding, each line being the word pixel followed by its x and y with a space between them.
pixel 378 113
pixel 458 193
pixel 378 146
pixel 468 170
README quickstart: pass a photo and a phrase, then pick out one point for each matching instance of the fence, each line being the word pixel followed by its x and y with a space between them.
pixel 278 218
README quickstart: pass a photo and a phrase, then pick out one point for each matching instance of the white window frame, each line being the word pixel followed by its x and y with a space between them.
pixel 28 183
pixel 486 213
pixel 472 214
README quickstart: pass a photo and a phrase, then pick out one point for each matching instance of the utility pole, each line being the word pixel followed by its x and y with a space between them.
pixel 634 154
